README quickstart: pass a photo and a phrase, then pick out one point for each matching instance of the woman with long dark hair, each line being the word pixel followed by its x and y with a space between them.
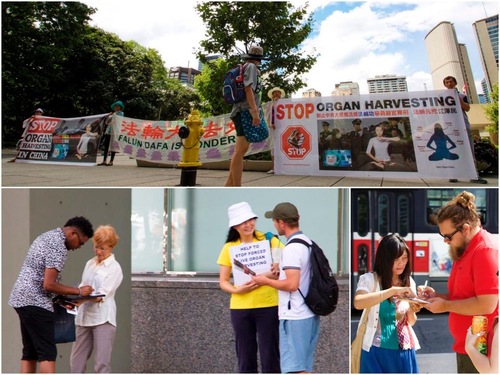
pixel 254 308
pixel 389 342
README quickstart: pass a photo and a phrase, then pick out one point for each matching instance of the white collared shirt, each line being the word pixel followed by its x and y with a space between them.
pixel 105 278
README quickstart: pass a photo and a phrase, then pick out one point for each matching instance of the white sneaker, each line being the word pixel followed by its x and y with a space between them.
pixel 270 171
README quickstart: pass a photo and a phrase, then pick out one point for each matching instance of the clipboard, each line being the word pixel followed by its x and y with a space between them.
pixel 75 298
pixel 71 299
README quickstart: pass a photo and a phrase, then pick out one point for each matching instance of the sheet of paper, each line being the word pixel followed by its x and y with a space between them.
pixel 415 300
pixel 255 255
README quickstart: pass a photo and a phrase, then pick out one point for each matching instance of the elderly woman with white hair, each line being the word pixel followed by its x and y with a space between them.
pixel 96 319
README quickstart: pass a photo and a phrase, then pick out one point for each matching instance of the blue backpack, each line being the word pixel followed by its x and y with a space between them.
pixel 233 88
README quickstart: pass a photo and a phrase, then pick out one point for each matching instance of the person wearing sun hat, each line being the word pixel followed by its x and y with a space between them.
pixel 117 109
pixel 274 94
pixel 250 106
pixel 253 309
pixel 299 326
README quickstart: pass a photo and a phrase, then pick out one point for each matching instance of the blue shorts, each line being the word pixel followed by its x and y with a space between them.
pixel 298 339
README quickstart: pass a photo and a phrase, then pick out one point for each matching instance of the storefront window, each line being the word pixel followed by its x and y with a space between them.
pixel 183 230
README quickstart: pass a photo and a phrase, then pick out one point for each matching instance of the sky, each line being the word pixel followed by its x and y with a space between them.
pixel 354 40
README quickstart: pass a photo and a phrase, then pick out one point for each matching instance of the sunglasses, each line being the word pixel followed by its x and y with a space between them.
pixel 449 237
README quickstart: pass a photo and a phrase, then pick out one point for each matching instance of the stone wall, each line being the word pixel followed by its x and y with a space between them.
pixel 182 325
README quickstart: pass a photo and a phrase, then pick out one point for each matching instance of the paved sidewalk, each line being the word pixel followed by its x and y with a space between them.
pixel 126 173
pixel 440 363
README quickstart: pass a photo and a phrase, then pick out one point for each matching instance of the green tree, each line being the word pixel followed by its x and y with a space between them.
pixel 491 110
pixel 37 38
pixel 278 27
pixel 208 84
pixel 52 58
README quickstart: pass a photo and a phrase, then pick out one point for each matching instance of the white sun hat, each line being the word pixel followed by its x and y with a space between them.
pixel 239 213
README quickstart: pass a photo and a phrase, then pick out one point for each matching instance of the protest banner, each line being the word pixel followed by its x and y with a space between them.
pixel 159 141
pixel 62 141
pixel 407 134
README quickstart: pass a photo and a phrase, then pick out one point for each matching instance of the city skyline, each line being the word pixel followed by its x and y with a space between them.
pixel 355 40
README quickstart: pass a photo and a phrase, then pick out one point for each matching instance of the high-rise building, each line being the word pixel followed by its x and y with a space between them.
pixel 185 75
pixel 310 93
pixel 209 58
pixel 486 31
pixel 346 88
pixel 387 83
pixel 447 57
pixel 486 91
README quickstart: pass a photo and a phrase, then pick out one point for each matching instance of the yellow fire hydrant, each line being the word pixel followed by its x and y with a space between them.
pixel 191 148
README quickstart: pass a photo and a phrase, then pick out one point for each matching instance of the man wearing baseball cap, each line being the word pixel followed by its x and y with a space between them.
pixel 299 326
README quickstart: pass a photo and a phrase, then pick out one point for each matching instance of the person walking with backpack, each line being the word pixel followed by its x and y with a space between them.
pixel 249 107
pixel 254 309
pixel 389 342
pixel 299 326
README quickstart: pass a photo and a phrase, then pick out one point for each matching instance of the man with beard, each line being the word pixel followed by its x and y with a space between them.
pixel 473 284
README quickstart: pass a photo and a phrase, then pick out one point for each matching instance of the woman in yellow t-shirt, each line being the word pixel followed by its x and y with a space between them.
pixel 254 309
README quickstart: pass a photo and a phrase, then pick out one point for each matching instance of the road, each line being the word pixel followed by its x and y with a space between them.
pixel 435 355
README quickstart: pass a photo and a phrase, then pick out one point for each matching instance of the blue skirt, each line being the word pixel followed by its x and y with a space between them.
pixel 379 360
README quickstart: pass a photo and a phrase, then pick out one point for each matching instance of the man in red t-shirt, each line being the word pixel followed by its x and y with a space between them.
pixel 473 283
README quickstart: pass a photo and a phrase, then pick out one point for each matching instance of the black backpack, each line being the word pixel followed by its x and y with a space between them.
pixel 323 292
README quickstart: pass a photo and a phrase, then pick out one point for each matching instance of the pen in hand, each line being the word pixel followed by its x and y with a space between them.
pixel 424 293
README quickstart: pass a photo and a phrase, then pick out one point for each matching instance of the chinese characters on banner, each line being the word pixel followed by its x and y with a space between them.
pixel 76 140
pixel 159 141
pixel 411 134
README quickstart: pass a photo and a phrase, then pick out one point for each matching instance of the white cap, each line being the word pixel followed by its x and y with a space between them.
pixel 239 213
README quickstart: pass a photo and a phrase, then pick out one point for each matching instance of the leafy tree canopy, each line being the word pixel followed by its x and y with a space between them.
pixel 491 110
pixel 53 59
pixel 278 27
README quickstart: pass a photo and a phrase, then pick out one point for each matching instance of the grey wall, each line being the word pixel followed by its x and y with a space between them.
pixel 26 213
pixel 182 325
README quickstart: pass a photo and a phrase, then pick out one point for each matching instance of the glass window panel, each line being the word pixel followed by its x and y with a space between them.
pixel 383 214
pixel 148 230
pixel 183 230
pixel 199 221
pixel 437 198
pixel 403 220
pixel 363 215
